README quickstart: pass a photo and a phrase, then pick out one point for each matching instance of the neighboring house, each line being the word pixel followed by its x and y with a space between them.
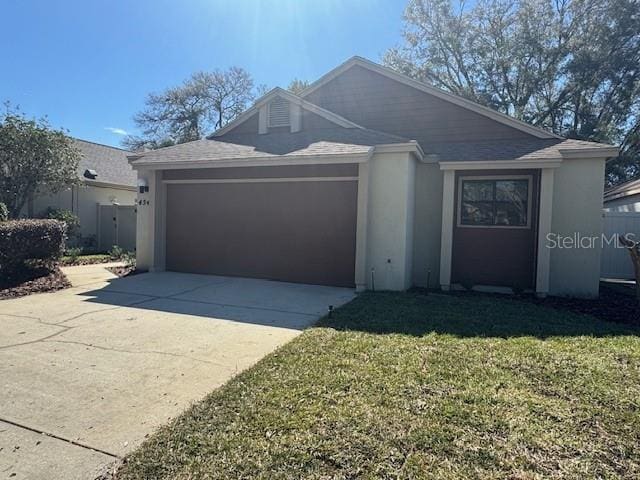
pixel 624 197
pixel 107 179
pixel 370 179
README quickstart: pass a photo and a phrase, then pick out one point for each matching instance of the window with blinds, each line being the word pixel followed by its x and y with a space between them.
pixel 278 113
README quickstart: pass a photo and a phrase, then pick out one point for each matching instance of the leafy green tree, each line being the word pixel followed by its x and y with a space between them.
pixel 570 66
pixel 297 86
pixel 202 103
pixel 34 158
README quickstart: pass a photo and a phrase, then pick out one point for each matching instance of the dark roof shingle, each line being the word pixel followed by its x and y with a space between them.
pixel 110 163
pixel 330 141
pixel 525 149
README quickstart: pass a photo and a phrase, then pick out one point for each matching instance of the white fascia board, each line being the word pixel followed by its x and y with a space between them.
pixel 501 164
pixel 595 152
pixel 436 92
pixel 411 147
pixel 255 162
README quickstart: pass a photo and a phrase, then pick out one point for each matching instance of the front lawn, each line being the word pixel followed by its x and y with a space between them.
pixel 414 386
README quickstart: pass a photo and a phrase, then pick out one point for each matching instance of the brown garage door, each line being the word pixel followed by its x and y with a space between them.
pixel 291 231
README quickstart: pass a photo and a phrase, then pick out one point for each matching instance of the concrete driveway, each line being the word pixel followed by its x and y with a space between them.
pixel 87 373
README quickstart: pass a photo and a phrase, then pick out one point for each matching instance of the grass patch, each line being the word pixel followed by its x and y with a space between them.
pixel 404 386
pixel 89 259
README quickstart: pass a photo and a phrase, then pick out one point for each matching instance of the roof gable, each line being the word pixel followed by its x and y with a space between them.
pixel 435 92
pixel 250 115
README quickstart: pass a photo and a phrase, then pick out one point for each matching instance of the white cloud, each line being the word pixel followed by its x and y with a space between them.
pixel 117 131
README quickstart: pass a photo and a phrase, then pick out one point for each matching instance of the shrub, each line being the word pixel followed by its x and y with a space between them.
pixel 129 258
pixel 73 253
pixel 69 218
pixel 116 252
pixel 4 212
pixel 22 240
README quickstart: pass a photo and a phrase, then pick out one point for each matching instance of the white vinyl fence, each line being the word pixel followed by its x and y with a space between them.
pixel 117 226
pixel 616 262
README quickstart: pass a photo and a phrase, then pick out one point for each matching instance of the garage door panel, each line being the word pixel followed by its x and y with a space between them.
pixel 291 231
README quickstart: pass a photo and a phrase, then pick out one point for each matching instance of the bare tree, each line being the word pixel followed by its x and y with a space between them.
pixel 227 92
pixel 297 86
pixel 204 102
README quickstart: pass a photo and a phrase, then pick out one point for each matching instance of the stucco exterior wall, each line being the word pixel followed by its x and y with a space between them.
pixel 577 210
pixel 83 201
pixel 150 223
pixel 626 204
pixel 390 221
pixel 427 224
pixel 65 199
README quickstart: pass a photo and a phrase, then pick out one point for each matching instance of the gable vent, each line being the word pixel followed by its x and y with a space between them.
pixel 279 113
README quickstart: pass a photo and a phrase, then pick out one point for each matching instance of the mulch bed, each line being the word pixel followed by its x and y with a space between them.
pixel 33 279
pixel 615 304
pixel 124 270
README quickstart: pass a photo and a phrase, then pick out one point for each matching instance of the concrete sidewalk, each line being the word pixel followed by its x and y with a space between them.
pixel 88 372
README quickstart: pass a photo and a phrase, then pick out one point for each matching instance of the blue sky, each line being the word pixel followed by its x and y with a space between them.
pixel 89 64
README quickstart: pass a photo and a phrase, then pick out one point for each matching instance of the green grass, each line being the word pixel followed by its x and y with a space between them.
pixel 405 386
pixel 88 259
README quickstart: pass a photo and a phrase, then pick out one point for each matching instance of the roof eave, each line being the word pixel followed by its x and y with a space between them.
pixel 117 186
pixel 618 196
pixel 603 151
pixel 254 161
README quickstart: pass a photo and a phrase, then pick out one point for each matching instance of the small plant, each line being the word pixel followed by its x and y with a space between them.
pixel 4 212
pixel 129 258
pixel 116 252
pixel 73 254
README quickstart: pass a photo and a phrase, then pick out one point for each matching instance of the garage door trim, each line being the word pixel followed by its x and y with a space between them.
pixel 262 180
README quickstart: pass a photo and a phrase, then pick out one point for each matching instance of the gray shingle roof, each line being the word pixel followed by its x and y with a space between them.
pixel 329 141
pixel 110 163
pixel 526 149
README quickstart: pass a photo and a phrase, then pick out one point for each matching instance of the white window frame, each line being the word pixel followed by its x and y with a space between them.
pixel 529 179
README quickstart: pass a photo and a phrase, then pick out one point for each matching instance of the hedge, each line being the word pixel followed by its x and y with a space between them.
pixel 22 240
